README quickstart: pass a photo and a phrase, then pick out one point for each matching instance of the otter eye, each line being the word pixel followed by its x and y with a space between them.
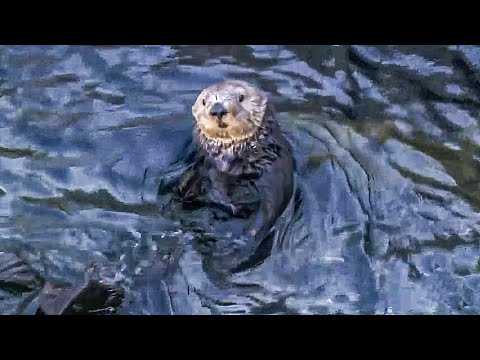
pixel 241 98
pixel 203 102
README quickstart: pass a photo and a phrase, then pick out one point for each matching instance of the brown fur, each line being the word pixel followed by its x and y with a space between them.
pixel 245 166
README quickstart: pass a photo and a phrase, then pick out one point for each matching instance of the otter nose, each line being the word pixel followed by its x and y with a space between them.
pixel 218 110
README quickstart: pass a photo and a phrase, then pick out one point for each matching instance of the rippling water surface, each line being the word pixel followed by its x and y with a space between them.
pixel 386 140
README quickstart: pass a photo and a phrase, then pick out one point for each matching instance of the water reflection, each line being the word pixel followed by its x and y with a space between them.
pixel 386 141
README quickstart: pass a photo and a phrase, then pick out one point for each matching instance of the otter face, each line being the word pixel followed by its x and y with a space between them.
pixel 229 111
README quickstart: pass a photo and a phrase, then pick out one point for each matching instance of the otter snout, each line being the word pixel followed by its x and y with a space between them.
pixel 219 111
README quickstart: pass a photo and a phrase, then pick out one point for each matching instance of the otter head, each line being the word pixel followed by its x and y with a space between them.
pixel 229 112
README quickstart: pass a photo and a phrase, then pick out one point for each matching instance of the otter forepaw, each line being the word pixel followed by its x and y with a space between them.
pixel 190 191
pixel 240 212
pixel 243 211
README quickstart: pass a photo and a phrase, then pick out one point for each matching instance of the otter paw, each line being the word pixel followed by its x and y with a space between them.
pixel 240 211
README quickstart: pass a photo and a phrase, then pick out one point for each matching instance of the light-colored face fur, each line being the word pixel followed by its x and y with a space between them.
pixel 244 105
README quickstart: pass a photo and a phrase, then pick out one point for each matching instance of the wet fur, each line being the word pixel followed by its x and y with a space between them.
pixel 250 177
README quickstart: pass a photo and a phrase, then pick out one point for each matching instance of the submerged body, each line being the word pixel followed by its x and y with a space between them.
pixel 243 164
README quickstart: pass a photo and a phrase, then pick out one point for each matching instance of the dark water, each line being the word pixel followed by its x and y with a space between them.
pixel 386 140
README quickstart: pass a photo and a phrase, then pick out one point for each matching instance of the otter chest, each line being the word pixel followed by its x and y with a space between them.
pixel 244 164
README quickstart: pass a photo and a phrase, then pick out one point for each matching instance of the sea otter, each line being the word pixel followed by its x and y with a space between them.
pixel 243 163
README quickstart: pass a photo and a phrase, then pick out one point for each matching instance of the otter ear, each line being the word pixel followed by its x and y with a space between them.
pixel 195 107
pixel 194 110
pixel 264 98
pixel 260 99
